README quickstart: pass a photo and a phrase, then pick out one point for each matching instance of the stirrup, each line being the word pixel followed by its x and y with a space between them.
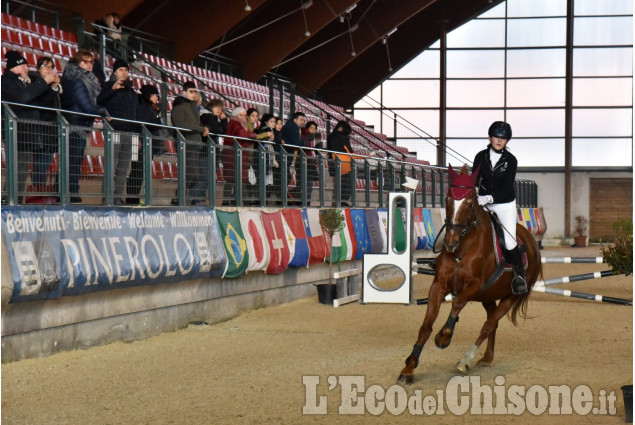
pixel 519 285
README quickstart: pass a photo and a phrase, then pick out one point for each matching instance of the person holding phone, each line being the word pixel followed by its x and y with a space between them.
pixel 121 101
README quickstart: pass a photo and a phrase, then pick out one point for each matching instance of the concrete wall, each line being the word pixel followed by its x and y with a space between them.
pixel 41 328
pixel 551 196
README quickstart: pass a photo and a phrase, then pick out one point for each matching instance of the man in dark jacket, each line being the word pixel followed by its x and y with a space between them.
pixel 81 88
pixel 18 87
pixel 185 114
pixel 121 101
pixel 292 135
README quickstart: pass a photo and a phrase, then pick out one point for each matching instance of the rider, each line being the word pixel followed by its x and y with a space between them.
pixel 496 175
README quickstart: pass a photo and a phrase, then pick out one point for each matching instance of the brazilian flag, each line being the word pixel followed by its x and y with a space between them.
pixel 234 243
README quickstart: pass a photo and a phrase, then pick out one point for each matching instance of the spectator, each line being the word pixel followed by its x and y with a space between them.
pixel 292 135
pixel 48 133
pixel 267 126
pixel 309 139
pixel 277 140
pixel 149 112
pixel 216 121
pixel 81 89
pixel 121 101
pixel 185 114
pixel 18 87
pixel 339 141
pixel 252 119
pixel 237 127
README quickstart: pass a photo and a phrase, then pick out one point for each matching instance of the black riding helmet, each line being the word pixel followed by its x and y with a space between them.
pixel 500 129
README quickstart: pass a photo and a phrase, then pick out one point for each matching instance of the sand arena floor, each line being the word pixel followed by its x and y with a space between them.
pixel 250 370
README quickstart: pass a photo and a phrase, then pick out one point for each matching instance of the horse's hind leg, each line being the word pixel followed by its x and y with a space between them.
pixel 489 327
pixel 435 297
pixel 487 358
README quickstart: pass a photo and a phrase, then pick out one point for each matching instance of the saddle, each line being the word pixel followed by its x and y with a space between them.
pixel 502 262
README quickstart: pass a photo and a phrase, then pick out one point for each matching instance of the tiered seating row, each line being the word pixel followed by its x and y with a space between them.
pixel 34 39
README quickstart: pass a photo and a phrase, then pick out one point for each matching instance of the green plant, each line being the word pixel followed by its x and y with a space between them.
pixel 580 225
pixel 619 255
pixel 331 220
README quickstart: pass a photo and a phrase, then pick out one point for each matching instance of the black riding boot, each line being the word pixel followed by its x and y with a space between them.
pixel 519 283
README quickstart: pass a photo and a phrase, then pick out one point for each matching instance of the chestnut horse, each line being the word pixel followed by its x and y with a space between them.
pixel 463 267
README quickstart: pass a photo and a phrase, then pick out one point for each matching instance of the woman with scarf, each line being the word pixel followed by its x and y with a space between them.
pixel 81 89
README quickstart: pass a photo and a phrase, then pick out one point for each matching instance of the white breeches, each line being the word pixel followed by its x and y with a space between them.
pixel 508 216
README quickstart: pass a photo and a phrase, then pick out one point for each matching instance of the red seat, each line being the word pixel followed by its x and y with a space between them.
pixel 54 165
pixel 170 146
pixel 97 139
pixel 157 169
pixel 172 171
pixel 87 166
pixel 4 165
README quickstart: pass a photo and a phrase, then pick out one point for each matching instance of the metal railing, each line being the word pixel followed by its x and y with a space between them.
pixel 55 162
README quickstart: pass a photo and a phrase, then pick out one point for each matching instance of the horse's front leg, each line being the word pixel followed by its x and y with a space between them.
pixel 444 337
pixel 435 297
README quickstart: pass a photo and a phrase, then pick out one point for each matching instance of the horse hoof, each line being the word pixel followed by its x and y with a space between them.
pixel 439 344
pixel 483 363
pixel 406 379
pixel 463 367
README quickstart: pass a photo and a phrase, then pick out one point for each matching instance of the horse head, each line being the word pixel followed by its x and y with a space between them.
pixel 460 206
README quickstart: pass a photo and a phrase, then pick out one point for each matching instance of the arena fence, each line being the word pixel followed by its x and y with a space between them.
pixel 57 163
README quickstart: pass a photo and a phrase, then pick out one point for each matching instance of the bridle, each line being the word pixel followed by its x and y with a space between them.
pixel 462 229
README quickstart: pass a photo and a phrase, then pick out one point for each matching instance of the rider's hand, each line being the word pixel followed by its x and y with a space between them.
pixel 485 199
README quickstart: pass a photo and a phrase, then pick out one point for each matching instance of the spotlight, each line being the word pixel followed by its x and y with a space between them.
pixel 247 7
pixel 341 19
pixel 353 53
pixel 391 32
pixel 383 40
pixel 307 34
pixel 350 8
pixel 307 4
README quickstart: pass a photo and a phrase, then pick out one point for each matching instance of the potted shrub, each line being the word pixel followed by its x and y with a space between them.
pixel 331 220
pixel 619 254
pixel 581 239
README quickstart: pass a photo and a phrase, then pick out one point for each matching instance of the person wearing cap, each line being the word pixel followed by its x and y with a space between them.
pixel 19 87
pixel 81 88
pixel 121 101
pixel 237 127
pixel 185 114
pixel 496 168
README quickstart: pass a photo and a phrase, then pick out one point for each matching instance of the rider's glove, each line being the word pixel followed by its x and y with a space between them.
pixel 485 199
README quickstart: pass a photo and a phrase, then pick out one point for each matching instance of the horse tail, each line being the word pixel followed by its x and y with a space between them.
pixel 519 308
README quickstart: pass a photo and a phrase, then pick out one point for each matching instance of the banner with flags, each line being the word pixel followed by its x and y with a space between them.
pixel 358 218
pixel 374 232
pixel 420 236
pixel 315 238
pixel 429 227
pixel 234 243
pixel 293 218
pixel 256 239
pixel 278 241
pixel 335 244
